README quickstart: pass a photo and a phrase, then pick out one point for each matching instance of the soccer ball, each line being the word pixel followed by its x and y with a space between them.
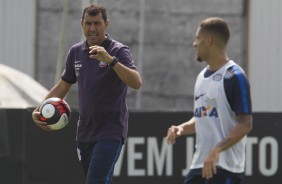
pixel 56 112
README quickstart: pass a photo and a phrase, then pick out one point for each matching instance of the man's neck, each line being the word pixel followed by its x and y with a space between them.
pixel 217 61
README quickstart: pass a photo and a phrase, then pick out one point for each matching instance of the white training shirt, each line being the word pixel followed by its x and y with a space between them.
pixel 214 121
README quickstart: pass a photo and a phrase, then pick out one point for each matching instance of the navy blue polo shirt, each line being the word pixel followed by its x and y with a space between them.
pixel 103 112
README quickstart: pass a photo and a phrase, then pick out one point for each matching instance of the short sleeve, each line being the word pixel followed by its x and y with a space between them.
pixel 237 90
pixel 68 74
pixel 125 57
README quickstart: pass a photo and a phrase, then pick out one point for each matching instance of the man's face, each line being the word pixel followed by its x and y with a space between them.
pixel 94 28
pixel 200 45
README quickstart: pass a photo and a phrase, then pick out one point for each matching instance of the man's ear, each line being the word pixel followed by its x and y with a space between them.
pixel 209 40
pixel 107 23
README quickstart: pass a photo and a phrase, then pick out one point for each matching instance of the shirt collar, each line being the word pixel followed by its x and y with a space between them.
pixel 106 43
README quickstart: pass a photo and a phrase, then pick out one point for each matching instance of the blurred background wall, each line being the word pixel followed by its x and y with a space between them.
pixel 160 34
pixel 36 36
pixel 18 34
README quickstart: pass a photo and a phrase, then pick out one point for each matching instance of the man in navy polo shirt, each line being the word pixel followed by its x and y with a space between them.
pixel 103 68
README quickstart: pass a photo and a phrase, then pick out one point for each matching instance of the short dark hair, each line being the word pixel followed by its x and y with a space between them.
pixel 216 26
pixel 94 9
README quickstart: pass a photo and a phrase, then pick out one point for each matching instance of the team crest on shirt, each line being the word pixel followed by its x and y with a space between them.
pixel 103 64
pixel 217 77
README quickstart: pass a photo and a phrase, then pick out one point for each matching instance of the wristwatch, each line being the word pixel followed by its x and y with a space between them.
pixel 114 62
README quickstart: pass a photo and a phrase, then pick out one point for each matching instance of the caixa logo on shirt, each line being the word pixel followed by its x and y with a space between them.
pixel 205 111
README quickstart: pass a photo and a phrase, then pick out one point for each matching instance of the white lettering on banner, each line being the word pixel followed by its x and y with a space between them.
pixel 273 155
pixel 154 156
pixel 262 145
pixel 249 155
pixel 189 153
pixel 160 158
pixel 132 155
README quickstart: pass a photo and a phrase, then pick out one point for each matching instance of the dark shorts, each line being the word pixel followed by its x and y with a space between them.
pixel 221 177
pixel 98 160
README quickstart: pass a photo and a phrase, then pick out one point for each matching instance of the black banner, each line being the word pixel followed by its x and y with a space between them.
pixel 148 159
pixel 34 156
